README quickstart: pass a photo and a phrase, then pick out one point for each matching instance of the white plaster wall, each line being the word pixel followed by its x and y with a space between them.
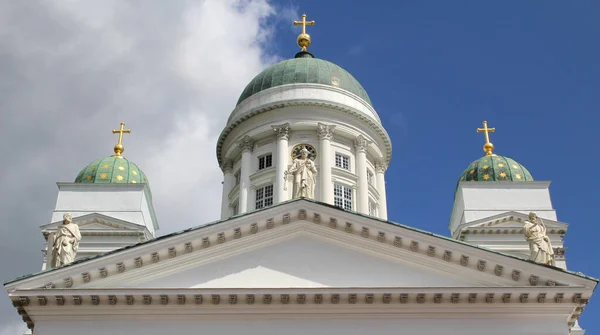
pixel 326 325
pixel 124 202
pixel 303 261
pixel 480 200
pixel 305 92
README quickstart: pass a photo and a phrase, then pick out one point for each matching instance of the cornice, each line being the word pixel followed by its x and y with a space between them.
pixel 233 123
pixel 393 302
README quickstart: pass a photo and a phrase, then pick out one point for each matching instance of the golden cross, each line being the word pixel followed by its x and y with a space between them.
pixel 304 23
pixel 119 147
pixel 488 147
pixel 304 39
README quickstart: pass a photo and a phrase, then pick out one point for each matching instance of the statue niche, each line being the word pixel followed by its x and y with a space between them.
pixel 304 172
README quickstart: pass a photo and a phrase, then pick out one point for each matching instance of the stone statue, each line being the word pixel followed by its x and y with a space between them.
pixel 66 242
pixel 539 243
pixel 305 173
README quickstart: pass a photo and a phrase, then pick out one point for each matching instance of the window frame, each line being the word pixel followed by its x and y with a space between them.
pixel 370 177
pixel 344 198
pixel 238 176
pixel 266 196
pixel 343 159
pixel 266 160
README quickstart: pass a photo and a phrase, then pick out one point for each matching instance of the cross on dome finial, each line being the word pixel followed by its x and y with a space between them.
pixel 488 147
pixel 119 147
pixel 304 38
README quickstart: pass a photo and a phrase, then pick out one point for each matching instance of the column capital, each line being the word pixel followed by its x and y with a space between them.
pixel 246 144
pixel 282 130
pixel 325 131
pixel 227 166
pixel 380 166
pixel 361 143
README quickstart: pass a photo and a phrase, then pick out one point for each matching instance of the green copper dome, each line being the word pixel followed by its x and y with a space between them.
pixel 304 70
pixel 496 168
pixel 111 170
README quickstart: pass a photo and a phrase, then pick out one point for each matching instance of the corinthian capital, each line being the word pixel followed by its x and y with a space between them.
pixel 246 144
pixel 282 130
pixel 380 166
pixel 361 143
pixel 325 131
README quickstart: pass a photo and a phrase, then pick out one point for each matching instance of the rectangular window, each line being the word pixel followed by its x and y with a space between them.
pixel 265 161
pixel 264 196
pixel 237 177
pixel 342 196
pixel 372 208
pixel 235 208
pixel 370 177
pixel 342 161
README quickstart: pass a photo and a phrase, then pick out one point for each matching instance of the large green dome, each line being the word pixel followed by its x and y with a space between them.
pixel 304 70
pixel 111 170
pixel 496 168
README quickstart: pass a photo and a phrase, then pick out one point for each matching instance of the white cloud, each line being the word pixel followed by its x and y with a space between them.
pixel 14 329
pixel 72 70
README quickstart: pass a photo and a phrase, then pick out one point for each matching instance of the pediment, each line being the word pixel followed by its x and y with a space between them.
pixel 510 220
pixel 97 222
pixel 301 244
pixel 303 258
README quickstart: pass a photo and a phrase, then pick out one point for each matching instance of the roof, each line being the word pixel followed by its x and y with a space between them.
pixel 496 168
pixel 83 260
pixel 111 170
pixel 304 70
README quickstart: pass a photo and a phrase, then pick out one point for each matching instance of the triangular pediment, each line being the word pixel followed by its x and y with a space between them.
pixel 301 244
pixel 302 258
pixel 510 221
pixel 97 222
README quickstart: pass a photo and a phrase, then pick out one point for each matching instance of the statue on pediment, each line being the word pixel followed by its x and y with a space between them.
pixel 539 243
pixel 66 242
pixel 305 173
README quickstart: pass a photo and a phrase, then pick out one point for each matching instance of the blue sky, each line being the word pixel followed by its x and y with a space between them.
pixel 436 69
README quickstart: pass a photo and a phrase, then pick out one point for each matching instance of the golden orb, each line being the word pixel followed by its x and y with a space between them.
pixel 488 148
pixel 119 149
pixel 303 41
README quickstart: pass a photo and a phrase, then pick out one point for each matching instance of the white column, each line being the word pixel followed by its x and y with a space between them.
pixel 283 135
pixel 228 181
pixel 325 133
pixel 246 144
pixel 360 146
pixel 380 167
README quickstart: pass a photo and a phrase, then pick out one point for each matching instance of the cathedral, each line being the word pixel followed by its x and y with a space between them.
pixel 304 244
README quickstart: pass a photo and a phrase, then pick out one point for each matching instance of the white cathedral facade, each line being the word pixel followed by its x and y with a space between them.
pixel 304 244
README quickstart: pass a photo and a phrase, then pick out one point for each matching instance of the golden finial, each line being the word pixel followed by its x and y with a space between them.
pixel 488 147
pixel 304 38
pixel 119 147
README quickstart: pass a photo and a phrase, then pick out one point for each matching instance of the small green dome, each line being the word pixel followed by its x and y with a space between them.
pixel 111 170
pixel 304 70
pixel 496 168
